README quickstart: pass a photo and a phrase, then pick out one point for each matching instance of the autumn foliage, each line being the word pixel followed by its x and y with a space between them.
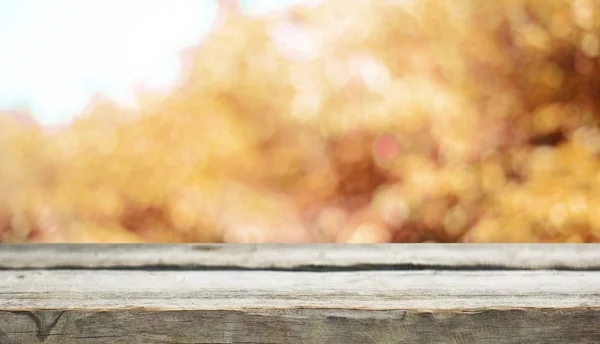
pixel 351 121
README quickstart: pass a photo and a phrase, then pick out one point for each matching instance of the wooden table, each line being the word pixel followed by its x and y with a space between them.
pixel 317 294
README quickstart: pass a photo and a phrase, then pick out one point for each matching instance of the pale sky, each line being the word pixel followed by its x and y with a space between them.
pixel 55 54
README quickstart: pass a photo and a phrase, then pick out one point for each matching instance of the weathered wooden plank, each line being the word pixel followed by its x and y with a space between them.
pixel 263 294
pixel 428 289
pixel 428 306
pixel 306 326
pixel 534 256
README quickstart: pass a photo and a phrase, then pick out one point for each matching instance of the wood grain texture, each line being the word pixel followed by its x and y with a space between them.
pixel 304 326
pixel 385 294
pixel 100 289
pixel 105 306
pixel 521 256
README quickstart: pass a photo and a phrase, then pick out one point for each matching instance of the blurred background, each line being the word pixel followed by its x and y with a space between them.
pixel 349 121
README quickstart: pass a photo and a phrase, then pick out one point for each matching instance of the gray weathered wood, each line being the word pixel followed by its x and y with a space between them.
pixel 428 289
pixel 105 306
pixel 304 326
pixel 529 256
pixel 409 296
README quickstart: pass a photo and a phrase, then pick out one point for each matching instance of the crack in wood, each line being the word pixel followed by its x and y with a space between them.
pixel 305 268
pixel 44 321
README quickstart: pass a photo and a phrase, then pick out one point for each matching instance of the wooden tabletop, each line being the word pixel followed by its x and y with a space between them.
pixel 425 293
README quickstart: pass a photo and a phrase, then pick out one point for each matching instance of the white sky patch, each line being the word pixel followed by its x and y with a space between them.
pixel 54 55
